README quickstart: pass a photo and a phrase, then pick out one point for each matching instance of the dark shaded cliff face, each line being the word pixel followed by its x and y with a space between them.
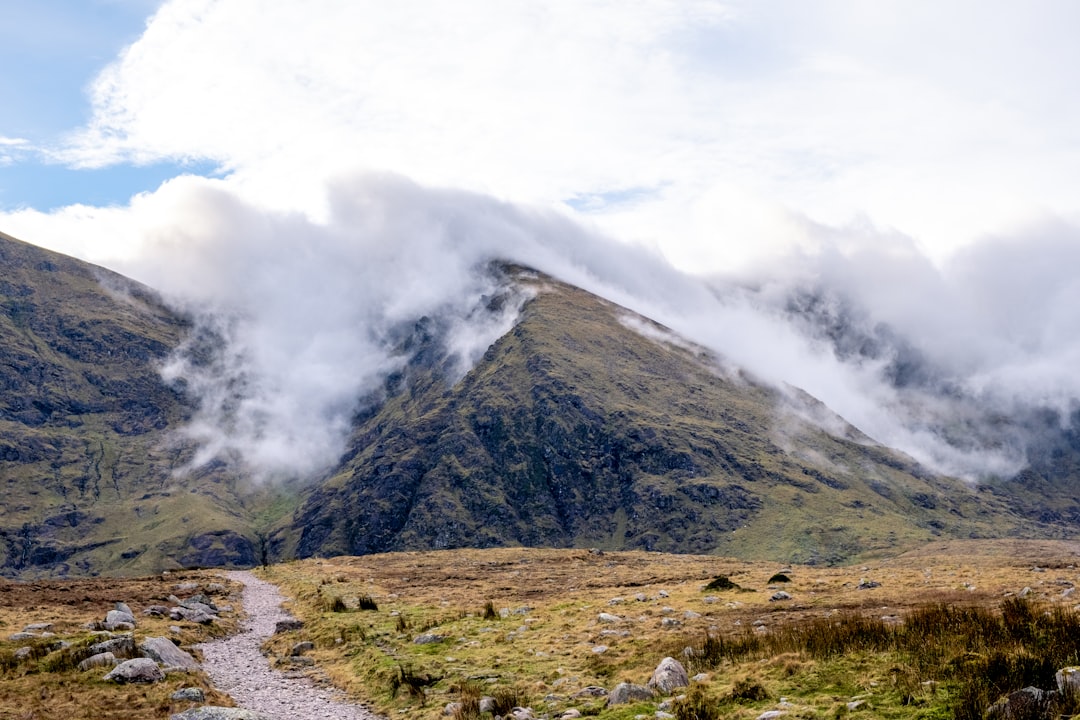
pixel 587 425
pixel 86 469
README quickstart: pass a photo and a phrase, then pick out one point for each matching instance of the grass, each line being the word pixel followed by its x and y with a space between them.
pixel 526 621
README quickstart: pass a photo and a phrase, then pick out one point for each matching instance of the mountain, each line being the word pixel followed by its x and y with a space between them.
pixel 86 458
pixel 585 425
pixel 588 425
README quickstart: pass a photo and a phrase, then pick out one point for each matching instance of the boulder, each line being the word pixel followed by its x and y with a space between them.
pixel 105 659
pixel 164 651
pixel 139 670
pixel 1068 679
pixel 124 608
pixel 668 676
pixel 115 617
pixel 1031 702
pixel 627 693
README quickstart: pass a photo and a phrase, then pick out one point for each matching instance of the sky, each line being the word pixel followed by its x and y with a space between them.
pixel 907 156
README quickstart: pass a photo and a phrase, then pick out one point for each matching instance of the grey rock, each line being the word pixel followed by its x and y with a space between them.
pixel 23 653
pixel 301 661
pixel 628 693
pixel 211 712
pixel 164 651
pixel 216 589
pixel 122 646
pixel 487 704
pixel 452 708
pixel 590 691
pixel 669 622
pixel 1031 702
pixel 115 617
pixel 779 595
pixel 668 676
pixel 22 636
pixel 599 649
pixel 190 694
pixel 608 618
pixel 302 647
pixel 105 659
pixel 287 625
pixel 522 713
pixel 139 670
pixel 571 713
pixel 156 610
pixel 186 587
pixel 868 585
pixel 124 608
pixel 428 639
pixel 1068 679
pixel 38 627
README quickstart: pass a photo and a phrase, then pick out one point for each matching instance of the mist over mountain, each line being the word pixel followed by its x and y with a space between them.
pixel 943 363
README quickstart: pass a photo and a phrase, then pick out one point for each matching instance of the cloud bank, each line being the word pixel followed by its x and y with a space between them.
pixel 302 319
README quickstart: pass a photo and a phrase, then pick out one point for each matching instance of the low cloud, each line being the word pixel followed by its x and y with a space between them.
pixel 300 320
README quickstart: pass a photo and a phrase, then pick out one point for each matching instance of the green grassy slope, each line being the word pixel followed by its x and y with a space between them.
pixel 86 482
pixel 576 429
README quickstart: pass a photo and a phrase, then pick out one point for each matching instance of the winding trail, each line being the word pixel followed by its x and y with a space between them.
pixel 235 665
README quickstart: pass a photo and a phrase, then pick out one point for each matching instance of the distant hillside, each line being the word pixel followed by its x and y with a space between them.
pixel 587 425
pixel 85 466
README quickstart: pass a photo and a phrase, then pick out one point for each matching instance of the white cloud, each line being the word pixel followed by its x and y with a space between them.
pixel 944 124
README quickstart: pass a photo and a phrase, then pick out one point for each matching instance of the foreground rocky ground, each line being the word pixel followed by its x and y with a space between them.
pixel 550 633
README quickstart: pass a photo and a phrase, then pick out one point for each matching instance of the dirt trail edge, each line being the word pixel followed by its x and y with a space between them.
pixel 236 666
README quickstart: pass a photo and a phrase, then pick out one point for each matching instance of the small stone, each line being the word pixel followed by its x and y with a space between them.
pixel 600 649
pixel 302 647
pixel 571 713
pixel 288 625
pixel 452 708
pixel 21 636
pixel 1025 592
pixel 780 595
pixel 770 714
pixel 590 691
pixel 669 623
pixel 608 618
pixel 428 639
pixel 38 627
pixel 190 694
pixel 23 653
pixel 855 704
pixel 691 615
pixel 627 693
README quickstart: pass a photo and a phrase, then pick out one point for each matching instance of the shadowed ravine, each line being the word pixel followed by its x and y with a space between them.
pixel 236 665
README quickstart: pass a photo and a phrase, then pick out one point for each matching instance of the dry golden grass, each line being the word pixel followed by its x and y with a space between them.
pixel 30 692
pixel 547 651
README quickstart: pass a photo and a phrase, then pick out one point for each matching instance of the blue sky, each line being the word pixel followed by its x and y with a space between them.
pixel 716 131
pixel 52 50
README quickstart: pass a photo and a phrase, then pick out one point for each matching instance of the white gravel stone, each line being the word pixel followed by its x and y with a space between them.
pixel 235 665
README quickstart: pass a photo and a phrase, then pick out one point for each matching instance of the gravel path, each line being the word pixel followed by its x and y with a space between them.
pixel 236 666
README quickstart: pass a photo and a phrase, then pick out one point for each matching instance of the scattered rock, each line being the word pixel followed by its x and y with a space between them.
pixel 1024 593
pixel 779 595
pixel 691 615
pixel 139 670
pixel 452 708
pixel 1031 702
pixel 38 627
pixel 599 649
pixel 122 646
pixel 701 677
pixel 105 659
pixel 115 617
pixel 668 676
pixel 191 694
pixel 164 651
pixel 628 692
pixel 428 639
pixel 867 585
pixel 520 713
pixel 855 704
pixel 1068 679
pixel 770 714
pixel 608 618
pixel 287 625
pixel 641 597
pixel 487 705
pixel 669 622
pixel 590 691
pixel 22 636
pixel 302 647
pixel 124 608
pixel 156 610
pixel 23 653
pixel 187 587
pixel 571 713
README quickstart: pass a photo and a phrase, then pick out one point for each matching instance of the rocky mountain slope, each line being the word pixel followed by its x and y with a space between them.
pixel 590 426
pixel 586 425
pixel 86 466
